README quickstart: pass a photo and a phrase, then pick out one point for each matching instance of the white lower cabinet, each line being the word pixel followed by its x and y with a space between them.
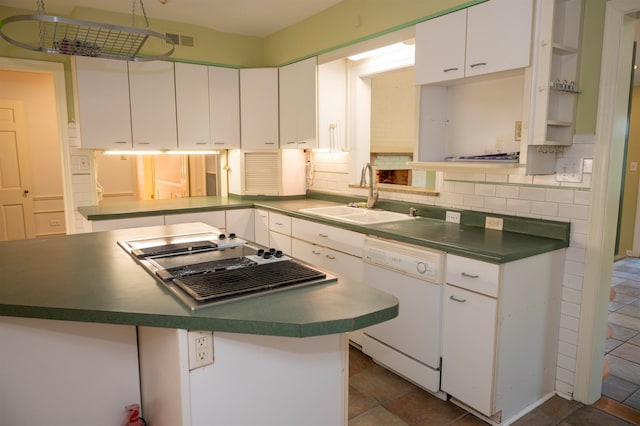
pixel 500 333
pixel 469 327
pixel 241 222
pixel 329 236
pixel 261 227
pixel 213 218
pixel 339 263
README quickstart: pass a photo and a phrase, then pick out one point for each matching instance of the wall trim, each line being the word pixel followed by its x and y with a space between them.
pixel 608 161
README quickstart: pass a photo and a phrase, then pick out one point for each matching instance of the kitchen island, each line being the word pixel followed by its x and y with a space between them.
pixel 288 346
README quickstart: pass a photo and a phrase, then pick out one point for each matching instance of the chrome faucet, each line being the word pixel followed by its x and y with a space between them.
pixel 373 189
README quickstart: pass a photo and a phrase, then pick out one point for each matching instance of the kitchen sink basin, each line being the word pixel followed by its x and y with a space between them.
pixel 356 215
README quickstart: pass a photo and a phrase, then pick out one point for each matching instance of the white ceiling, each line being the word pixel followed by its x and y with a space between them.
pixel 248 17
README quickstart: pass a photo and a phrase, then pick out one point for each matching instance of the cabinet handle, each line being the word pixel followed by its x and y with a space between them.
pixel 279 223
pixel 455 299
pixel 450 69
pixel 144 143
pixel 464 274
pixel 201 143
pixel 479 64
pixel 269 143
pixel 290 143
pixel 315 252
pixel 218 143
pixel 330 257
pixel 324 235
pixel 121 142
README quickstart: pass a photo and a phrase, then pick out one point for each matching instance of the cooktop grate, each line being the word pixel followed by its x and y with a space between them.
pixel 252 279
pixel 217 266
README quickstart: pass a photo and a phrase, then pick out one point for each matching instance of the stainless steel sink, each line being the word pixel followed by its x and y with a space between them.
pixel 356 215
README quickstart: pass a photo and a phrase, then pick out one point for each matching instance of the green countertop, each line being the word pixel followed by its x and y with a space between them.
pixel 522 237
pixel 89 278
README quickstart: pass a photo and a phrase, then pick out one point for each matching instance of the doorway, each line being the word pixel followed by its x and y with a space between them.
pixel 43 207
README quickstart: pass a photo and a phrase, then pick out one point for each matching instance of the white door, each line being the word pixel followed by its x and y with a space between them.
pixel 16 206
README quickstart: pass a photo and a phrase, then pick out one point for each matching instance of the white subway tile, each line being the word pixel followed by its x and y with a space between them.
pixel 543 208
pixel 564 389
pixel 559 195
pixel 567 349
pixel 573 211
pixel 571 309
pixel 566 362
pixel 534 194
pixel 465 188
pixel 570 295
pixel 564 375
pixel 497 178
pixel 570 323
pixel 568 336
pixel 495 203
pixel 473 201
pixel 574 268
pixel 521 179
pixel 521 206
pixel 507 191
pixel 573 282
pixel 579 226
pixel 546 180
pixel 485 189
pixel 582 197
pixel 576 254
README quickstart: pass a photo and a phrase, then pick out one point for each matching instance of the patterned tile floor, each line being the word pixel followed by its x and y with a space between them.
pixel 622 350
pixel 378 397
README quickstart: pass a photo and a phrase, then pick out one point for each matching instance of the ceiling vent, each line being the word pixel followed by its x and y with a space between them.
pixel 181 39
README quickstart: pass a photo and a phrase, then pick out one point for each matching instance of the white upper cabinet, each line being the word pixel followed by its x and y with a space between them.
pixel 298 112
pixel 259 108
pixel 332 105
pixel 224 107
pixel 192 106
pixel 440 45
pixel 103 103
pixel 153 105
pixel 490 37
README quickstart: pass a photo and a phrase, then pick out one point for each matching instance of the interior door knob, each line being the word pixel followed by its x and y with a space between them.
pixel 26 192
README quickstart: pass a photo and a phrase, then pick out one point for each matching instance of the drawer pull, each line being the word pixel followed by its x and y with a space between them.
pixel 479 64
pixel 455 299
pixel 315 252
pixel 324 235
pixel 464 274
pixel 279 223
pixel 330 257
pixel 450 69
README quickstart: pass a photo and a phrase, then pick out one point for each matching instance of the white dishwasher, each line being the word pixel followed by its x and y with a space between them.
pixel 410 343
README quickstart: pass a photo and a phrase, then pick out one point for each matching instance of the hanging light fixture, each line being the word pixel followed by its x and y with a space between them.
pixel 83 38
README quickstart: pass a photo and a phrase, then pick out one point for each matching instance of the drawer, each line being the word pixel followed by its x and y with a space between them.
pixel 280 223
pixel 474 275
pixel 280 242
pixel 329 236
pixel 307 252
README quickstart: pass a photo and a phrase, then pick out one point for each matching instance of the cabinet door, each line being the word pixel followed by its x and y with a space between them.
pixel 241 222
pixel 297 90
pixel 261 218
pixel 215 219
pixel 345 265
pixel 259 108
pixel 468 351
pixel 192 106
pixel 280 242
pixel 224 107
pixel 280 223
pixel 311 253
pixel 153 105
pixel 332 105
pixel 498 36
pixel 103 103
pixel 440 48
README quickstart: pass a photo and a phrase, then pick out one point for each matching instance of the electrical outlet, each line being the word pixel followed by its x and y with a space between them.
pixel 493 223
pixel 453 217
pixel 200 349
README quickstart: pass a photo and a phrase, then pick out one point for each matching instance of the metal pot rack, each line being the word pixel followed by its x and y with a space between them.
pixel 66 36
